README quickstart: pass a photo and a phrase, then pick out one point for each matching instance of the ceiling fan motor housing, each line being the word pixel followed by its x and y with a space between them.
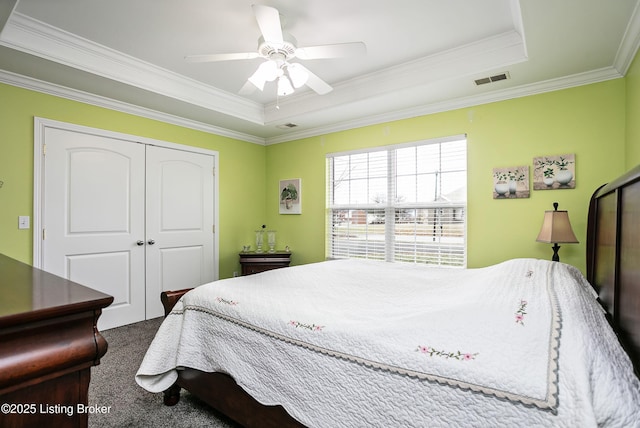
pixel 276 50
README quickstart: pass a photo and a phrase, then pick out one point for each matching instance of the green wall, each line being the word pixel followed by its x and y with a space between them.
pixel 241 167
pixel 587 121
pixel 592 121
pixel 633 114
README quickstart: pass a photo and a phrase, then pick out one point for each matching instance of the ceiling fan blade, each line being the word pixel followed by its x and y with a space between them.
pixel 269 22
pixel 314 82
pixel 221 57
pixel 332 51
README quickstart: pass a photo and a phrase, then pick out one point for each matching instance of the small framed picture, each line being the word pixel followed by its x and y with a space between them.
pixel 554 172
pixel 290 196
pixel 510 183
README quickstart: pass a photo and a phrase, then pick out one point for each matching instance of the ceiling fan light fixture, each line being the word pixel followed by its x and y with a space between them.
pixel 284 86
pixel 268 71
pixel 298 75
pixel 258 80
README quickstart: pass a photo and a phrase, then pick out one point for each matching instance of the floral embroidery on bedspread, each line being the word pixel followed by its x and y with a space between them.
pixel 462 356
pixel 226 302
pixel 521 312
pixel 311 327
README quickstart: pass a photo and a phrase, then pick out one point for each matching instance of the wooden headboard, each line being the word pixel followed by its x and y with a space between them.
pixel 613 256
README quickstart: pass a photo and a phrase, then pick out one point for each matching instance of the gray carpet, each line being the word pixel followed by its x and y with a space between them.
pixel 113 384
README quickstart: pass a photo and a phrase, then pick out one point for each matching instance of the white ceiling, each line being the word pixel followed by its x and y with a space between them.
pixel 422 56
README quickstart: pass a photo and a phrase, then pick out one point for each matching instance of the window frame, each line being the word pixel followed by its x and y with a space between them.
pixel 391 206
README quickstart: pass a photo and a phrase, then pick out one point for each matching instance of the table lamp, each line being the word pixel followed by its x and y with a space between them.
pixel 556 229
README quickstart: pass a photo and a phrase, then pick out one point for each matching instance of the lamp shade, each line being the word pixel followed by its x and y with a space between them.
pixel 556 228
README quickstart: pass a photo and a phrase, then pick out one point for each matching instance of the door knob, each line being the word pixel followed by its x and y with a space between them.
pixel 151 242
pixel 139 243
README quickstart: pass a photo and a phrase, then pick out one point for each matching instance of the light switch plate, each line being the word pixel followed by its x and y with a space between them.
pixel 24 222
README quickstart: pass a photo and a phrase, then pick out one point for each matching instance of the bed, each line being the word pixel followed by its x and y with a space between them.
pixel 523 342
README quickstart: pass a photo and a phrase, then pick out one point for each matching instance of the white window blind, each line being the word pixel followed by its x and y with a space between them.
pixel 403 203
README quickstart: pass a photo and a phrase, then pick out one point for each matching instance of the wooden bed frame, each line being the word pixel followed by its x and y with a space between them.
pixel 613 257
pixel 613 268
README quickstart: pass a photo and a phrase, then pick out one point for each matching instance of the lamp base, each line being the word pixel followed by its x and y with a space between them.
pixel 556 257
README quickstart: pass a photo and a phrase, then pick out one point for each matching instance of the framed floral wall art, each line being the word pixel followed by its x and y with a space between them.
pixel 554 172
pixel 290 196
pixel 510 183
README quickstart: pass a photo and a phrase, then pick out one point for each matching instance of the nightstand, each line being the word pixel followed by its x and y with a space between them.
pixel 253 262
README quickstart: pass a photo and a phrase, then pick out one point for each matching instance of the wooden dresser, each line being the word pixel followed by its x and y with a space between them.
pixel 48 343
pixel 253 262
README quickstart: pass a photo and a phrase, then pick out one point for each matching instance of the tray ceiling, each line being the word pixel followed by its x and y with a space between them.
pixel 422 56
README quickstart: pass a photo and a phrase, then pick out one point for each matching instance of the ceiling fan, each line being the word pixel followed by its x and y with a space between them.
pixel 279 48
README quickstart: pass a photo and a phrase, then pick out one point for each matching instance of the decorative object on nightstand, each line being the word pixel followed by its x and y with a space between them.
pixel 271 240
pixel 556 229
pixel 254 262
pixel 260 239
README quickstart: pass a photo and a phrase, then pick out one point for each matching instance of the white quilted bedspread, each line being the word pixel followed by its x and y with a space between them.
pixel 358 343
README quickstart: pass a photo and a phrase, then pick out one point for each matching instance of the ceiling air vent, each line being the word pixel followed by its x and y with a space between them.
pixel 491 79
pixel 286 125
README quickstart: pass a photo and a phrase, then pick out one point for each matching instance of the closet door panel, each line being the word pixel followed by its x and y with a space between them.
pixel 180 235
pixel 93 218
pixel 190 259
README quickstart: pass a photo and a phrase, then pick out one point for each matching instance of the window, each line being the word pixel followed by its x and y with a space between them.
pixel 402 203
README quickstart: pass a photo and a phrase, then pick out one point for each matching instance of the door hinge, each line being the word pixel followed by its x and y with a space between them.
pixel 44 234
pixel 213 228
pixel 44 150
pixel 214 171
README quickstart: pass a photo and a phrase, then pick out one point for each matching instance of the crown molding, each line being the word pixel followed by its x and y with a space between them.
pixel 630 43
pixel 37 38
pixel 518 24
pixel 498 51
pixel 29 83
pixel 99 101
pixel 596 76
pixel 6 10
pixel 601 75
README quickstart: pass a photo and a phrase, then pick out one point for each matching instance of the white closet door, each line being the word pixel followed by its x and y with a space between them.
pixel 180 216
pixel 93 218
